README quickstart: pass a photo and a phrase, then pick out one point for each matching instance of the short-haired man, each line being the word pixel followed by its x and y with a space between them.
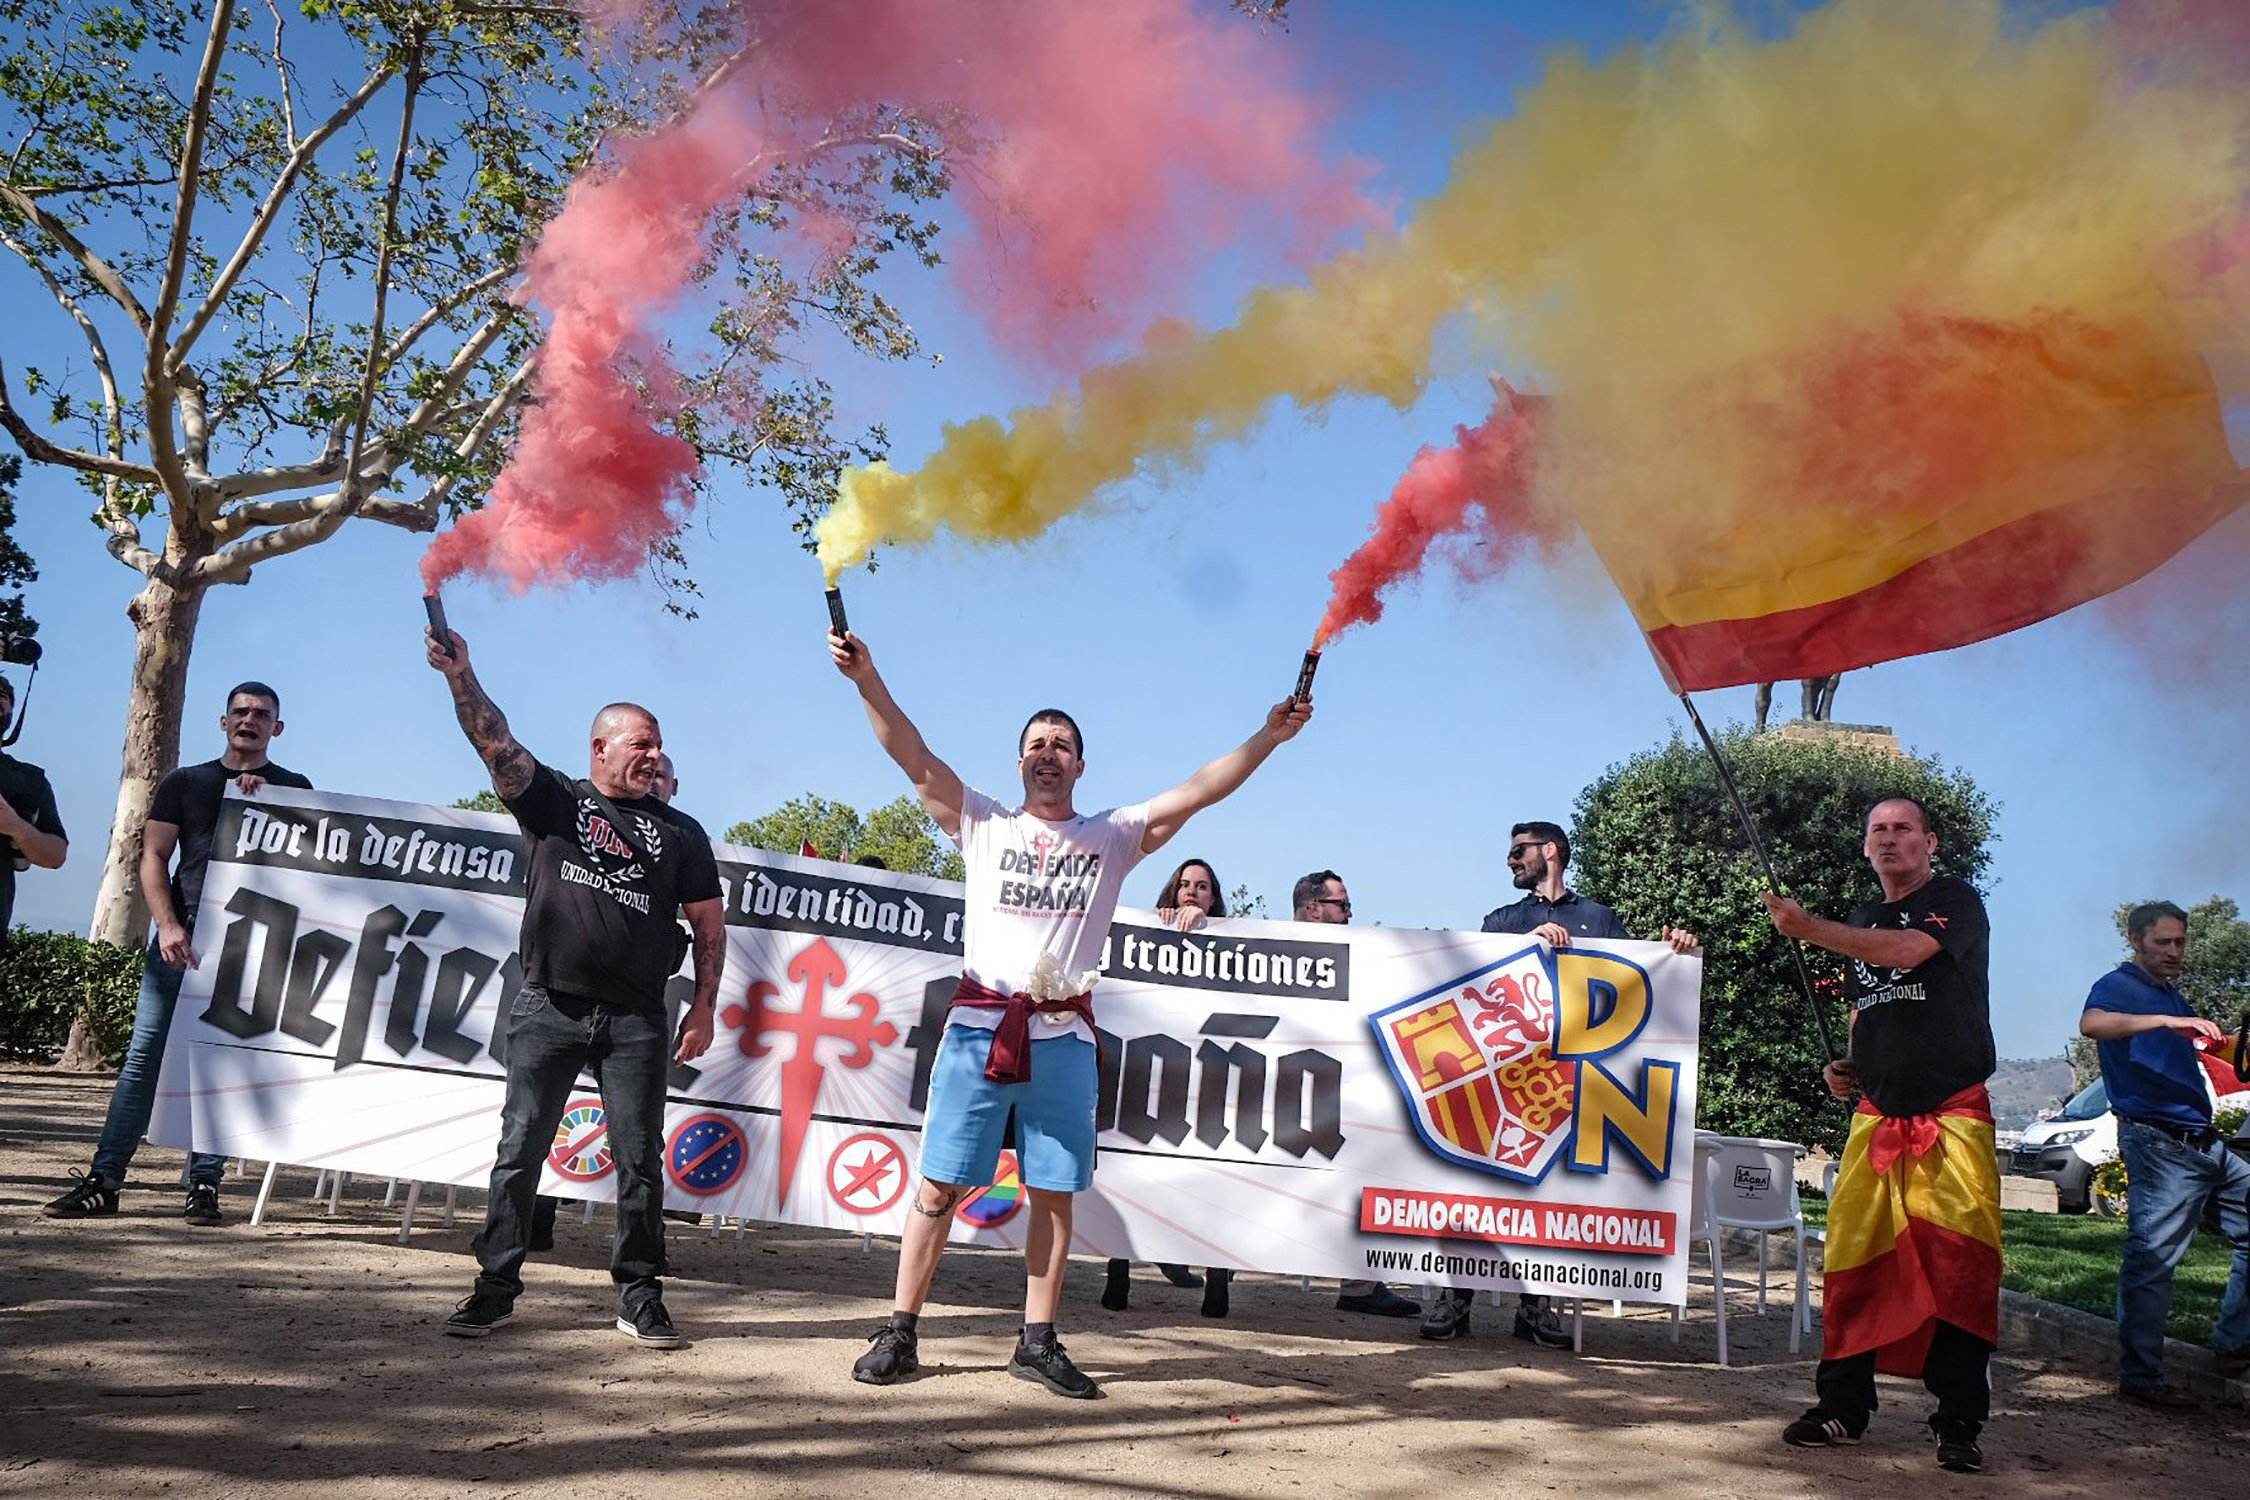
pixel 1911 1278
pixel 31 831
pixel 1322 897
pixel 609 870
pixel 1042 884
pixel 1538 853
pixel 2175 1163
pixel 183 816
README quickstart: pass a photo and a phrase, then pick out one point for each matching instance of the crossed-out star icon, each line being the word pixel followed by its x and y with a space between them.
pixel 867 1174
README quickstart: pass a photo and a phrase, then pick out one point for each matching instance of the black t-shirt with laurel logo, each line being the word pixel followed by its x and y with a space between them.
pixel 600 924
pixel 1922 1035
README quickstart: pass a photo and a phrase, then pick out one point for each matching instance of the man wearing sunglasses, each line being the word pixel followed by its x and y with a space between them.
pixel 1321 897
pixel 1538 853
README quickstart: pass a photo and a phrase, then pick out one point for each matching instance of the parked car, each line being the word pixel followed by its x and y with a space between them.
pixel 2066 1148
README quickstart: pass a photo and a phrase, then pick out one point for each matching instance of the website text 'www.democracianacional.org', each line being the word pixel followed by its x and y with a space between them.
pixel 1554 1273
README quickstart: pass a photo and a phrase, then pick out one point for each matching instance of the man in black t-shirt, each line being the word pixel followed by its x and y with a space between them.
pixel 609 869
pixel 1922 1291
pixel 184 817
pixel 31 831
pixel 1538 854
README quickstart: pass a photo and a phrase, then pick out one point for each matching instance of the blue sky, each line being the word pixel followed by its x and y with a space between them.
pixel 1168 618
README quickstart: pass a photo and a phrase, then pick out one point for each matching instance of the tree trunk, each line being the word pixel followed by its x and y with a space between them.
pixel 164 620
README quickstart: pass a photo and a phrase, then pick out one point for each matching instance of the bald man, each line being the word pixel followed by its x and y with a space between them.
pixel 610 868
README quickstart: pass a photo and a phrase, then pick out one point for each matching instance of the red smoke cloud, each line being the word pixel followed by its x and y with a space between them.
pixel 1117 143
pixel 1479 486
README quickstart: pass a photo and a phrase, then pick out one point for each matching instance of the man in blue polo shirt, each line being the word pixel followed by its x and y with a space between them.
pixel 2174 1161
pixel 1538 853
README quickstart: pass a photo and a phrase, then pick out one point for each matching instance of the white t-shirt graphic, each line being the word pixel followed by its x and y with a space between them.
pixel 1038 887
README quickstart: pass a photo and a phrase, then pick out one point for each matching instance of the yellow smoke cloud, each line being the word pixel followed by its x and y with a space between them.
pixel 1668 238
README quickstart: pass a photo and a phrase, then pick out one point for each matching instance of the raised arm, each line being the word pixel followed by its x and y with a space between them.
pixel 481 720
pixel 2116 1025
pixel 1891 947
pixel 1169 812
pixel 934 781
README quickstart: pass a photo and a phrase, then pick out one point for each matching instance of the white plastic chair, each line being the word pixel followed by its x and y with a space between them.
pixel 1753 1186
pixel 1703 1229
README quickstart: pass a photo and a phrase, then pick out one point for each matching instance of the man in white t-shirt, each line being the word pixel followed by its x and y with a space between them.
pixel 1043 882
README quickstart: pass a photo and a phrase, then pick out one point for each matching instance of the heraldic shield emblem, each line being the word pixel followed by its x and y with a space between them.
pixel 1475 1059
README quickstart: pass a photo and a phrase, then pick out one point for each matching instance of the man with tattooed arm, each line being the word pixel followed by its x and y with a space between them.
pixel 609 870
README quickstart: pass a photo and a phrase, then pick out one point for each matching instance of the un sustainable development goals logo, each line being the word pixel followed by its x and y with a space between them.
pixel 1500 1067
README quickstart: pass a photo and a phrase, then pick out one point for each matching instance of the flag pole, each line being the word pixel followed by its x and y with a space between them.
pixel 1758 847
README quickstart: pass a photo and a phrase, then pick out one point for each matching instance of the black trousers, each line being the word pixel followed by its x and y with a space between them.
pixel 551 1039
pixel 1955 1372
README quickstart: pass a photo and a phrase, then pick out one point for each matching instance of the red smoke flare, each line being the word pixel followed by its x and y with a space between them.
pixel 1482 484
pixel 1116 144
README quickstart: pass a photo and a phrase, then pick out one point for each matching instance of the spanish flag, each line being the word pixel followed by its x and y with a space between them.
pixel 1913 1233
pixel 1930 482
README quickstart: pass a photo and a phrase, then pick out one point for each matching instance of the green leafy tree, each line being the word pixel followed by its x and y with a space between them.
pixel 284 238
pixel 487 800
pixel 899 833
pixel 1240 903
pixel 16 567
pixel 1656 838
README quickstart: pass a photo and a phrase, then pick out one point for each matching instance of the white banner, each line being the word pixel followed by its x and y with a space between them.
pixel 1330 1101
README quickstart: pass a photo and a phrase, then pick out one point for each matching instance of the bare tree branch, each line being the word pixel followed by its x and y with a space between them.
pixel 480 432
pixel 451 302
pixel 270 207
pixel 157 370
pixel 352 487
pixel 281 68
pixel 104 275
pixel 112 406
pixel 39 449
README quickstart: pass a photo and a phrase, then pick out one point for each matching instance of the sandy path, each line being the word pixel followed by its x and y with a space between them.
pixel 304 1358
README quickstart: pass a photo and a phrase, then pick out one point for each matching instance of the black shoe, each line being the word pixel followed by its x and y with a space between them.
pixel 1180 1276
pixel 2161 1397
pixel 478 1314
pixel 90 1197
pixel 648 1324
pixel 1448 1317
pixel 1957 1450
pixel 1050 1367
pixel 892 1356
pixel 1117 1290
pixel 1818 1428
pixel 1382 1302
pixel 541 1239
pixel 1215 1284
pixel 2231 1364
pixel 1542 1326
pixel 202 1204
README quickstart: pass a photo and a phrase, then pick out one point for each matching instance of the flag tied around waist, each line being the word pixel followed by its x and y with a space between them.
pixel 1913 1233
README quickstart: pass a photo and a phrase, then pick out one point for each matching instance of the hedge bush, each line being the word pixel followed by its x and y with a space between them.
pixel 47 978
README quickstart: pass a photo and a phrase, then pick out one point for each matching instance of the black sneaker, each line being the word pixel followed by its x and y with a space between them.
pixel 1215 1285
pixel 1957 1450
pixel 1051 1367
pixel 1382 1302
pixel 1542 1326
pixel 648 1324
pixel 892 1356
pixel 202 1204
pixel 1448 1317
pixel 90 1197
pixel 2161 1397
pixel 478 1314
pixel 1817 1428
pixel 2231 1364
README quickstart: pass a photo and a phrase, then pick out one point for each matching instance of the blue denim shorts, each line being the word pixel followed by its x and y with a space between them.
pixel 968 1113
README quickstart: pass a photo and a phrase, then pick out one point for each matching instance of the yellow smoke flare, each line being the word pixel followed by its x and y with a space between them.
pixel 1670 239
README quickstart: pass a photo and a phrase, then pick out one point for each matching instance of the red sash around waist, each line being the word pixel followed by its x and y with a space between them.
pixel 1010 1061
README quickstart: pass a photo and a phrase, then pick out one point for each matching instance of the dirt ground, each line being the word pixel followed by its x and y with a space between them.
pixel 304 1358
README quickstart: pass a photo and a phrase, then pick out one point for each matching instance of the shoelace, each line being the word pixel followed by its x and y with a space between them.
pixel 87 1188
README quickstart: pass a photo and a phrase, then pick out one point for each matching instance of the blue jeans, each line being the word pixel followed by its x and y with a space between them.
pixel 551 1039
pixel 134 1098
pixel 2167 1182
